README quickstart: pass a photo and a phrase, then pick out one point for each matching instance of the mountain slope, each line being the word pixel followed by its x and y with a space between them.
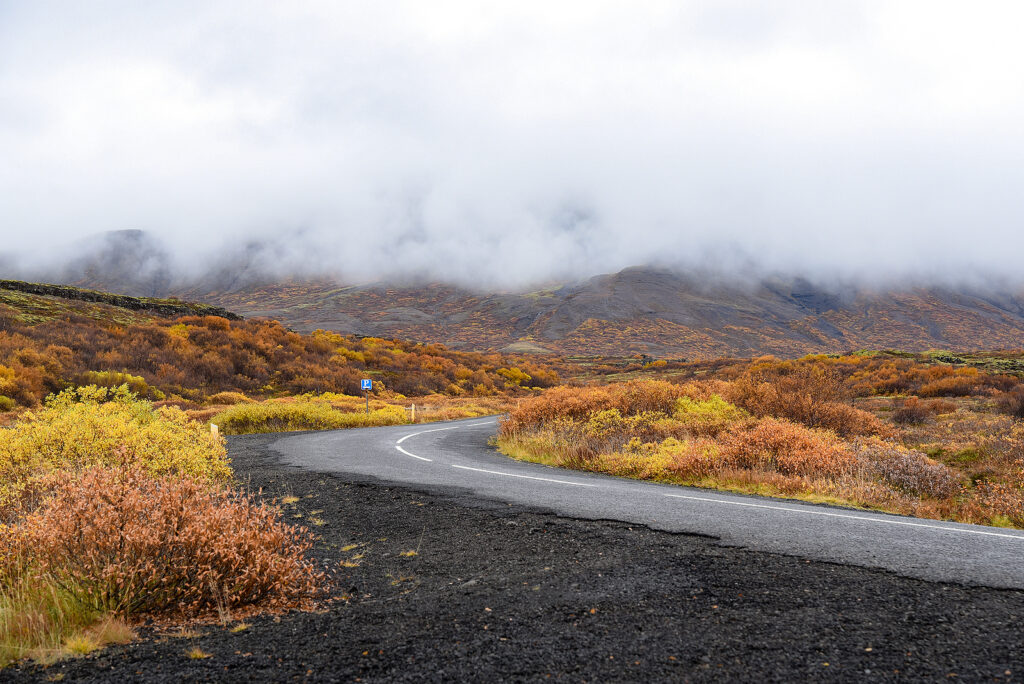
pixel 651 311
pixel 638 310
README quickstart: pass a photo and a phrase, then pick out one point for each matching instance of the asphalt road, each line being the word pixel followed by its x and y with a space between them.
pixel 456 454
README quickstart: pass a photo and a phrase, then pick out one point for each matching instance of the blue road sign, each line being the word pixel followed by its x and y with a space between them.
pixel 366 385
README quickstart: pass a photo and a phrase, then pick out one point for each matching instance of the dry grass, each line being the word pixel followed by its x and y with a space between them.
pixel 41 620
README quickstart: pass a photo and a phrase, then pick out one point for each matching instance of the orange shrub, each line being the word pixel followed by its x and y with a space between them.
pixel 122 541
pixel 577 403
pixel 643 396
pixel 787 448
pixel 952 386
pixel 939 406
pixel 807 399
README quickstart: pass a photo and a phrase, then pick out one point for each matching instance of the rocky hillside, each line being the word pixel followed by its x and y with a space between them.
pixel 656 312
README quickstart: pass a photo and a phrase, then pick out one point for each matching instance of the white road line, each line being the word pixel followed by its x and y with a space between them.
pixel 453 427
pixel 845 515
pixel 525 477
pixel 428 460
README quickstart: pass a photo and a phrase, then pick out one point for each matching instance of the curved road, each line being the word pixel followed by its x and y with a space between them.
pixel 456 455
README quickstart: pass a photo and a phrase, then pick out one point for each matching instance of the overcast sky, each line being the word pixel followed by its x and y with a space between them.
pixel 521 141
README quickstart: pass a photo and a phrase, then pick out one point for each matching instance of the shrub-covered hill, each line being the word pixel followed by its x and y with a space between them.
pixel 661 313
pixel 49 342
pixel 39 301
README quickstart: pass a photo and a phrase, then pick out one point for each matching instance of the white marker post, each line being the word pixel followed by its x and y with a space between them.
pixel 366 385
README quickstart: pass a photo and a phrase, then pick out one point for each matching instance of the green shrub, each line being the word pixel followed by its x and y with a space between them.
pixel 285 416
pixel 6 404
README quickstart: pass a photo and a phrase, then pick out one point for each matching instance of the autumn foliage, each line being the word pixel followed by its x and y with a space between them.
pixel 109 507
pixel 198 356
pixel 91 426
pixel 774 430
pixel 122 541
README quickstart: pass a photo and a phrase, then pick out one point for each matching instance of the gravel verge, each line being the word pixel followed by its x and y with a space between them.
pixel 495 592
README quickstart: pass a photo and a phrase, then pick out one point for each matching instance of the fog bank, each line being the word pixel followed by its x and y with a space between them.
pixel 501 146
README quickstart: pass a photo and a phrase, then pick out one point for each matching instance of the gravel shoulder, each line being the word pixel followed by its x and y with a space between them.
pixel 498 592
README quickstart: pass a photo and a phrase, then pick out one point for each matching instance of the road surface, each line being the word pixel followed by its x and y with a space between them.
pixel 456 455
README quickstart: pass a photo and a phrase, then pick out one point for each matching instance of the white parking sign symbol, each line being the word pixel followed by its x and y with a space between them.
pixel 366 385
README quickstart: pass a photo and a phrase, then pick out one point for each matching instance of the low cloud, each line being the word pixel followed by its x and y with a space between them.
pixel 507 145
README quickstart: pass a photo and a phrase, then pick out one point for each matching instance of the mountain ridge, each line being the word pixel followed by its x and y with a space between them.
pixel 670 313
pixel 654 312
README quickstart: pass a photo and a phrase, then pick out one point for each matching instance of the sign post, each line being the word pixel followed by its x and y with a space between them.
pixel 366 385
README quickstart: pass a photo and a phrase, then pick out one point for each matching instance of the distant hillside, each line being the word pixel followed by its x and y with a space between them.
pixel 639 310
pixel 42 301
pixel 655 312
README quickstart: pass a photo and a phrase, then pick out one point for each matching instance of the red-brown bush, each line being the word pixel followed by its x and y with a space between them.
pixel 577 403
pixel 787 448
pixel 1012 402
pixel 908 471
pixel 122 541
pixel 912 412
pixel 808 394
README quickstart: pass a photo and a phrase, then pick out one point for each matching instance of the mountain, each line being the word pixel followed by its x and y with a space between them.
pixel 130 262
pixel 656 312
pixel 663 313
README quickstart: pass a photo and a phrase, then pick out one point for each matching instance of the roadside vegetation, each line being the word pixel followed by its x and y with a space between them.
pixel 331 411
pixel 112 511
pixel 895 433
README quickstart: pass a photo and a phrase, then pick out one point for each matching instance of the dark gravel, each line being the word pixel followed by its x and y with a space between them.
pixel 498 593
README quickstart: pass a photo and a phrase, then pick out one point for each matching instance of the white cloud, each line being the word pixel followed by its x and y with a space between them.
pixel 522 141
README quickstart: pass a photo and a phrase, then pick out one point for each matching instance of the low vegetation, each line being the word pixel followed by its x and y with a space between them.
pixel 330 411
pixel 196 357
pixel 302 414
pixel 112 510
pixel 93 426
pixel 795 429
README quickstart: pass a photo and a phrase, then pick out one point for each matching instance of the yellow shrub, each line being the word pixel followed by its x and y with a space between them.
pixel 514 376
pixel 229 398
pixel 8 383
pixel 707 417
pixel 136 385
pixel 275 416
pixel 179 330
pixel 93 426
